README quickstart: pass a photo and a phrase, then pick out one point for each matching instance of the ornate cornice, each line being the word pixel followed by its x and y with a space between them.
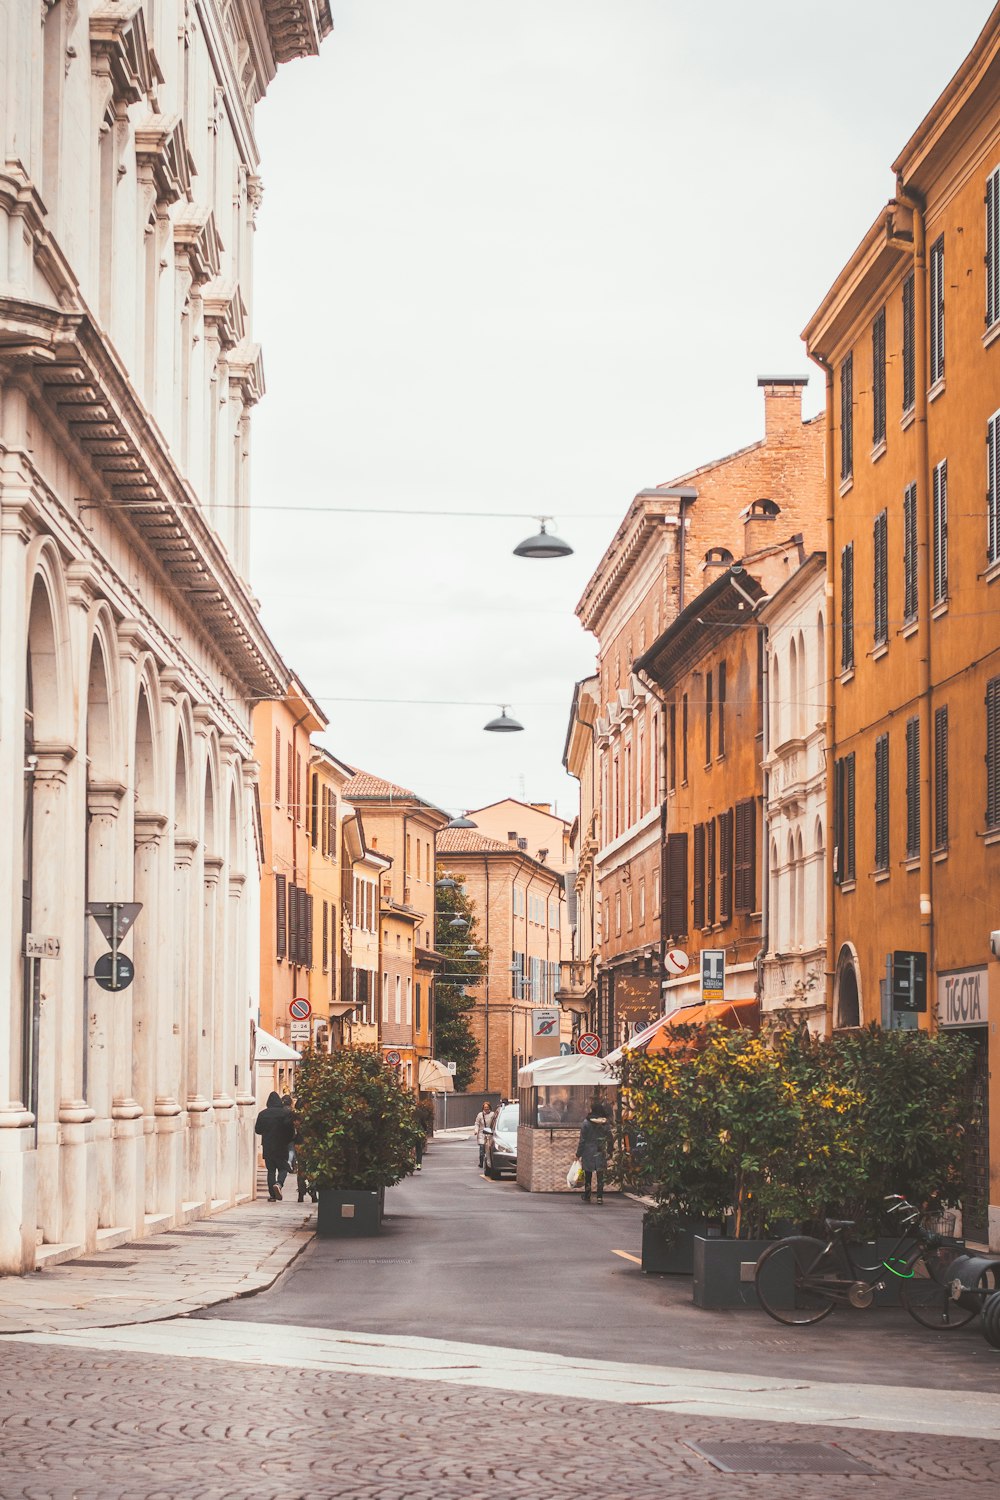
pixel 246 370
pixel 226 311
pixel 120 51
pixel 197 240
pixel 162 152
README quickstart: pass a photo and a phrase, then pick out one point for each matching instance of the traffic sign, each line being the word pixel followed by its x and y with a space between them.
pixel 112 915
pixel 589 1044
pixel 675 960
pixel 299 1031
pixel 300 1010
pixel 113 971
pixel 393 1058
pixel 713 974
pixel 909 981
pixel 37 946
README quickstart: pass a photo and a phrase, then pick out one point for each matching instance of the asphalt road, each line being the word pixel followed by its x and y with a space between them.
pixel 467 1259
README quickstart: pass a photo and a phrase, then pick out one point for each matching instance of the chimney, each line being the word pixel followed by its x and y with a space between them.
pixel 545 807
pixel 782 405
pixel 758 525
pixel 522 843
pixel 512 836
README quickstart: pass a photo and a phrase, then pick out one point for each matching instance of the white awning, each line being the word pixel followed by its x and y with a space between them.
pixel 267 1048
pixel 434 1077
pixel 583 1072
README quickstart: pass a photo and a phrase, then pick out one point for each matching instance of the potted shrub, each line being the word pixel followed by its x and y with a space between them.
pixel 359 1134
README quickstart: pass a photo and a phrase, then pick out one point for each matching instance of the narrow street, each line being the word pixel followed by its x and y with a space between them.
pixel 492 1343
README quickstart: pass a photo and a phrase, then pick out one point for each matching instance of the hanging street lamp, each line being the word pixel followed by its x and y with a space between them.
pixel 503 724
pixel 461 822
pixel 543 545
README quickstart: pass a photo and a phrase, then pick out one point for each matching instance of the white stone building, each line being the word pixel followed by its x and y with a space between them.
pixel 795 795
pixel 130 649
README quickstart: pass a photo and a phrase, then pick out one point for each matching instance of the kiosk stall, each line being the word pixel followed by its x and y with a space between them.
pixel 555 1094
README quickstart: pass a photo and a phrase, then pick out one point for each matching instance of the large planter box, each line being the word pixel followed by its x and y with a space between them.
pixel 343 1214
pixel 676 1258
pixel 723 1274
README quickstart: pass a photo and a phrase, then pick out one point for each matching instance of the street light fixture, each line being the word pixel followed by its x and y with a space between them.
pixel 461 822
pixel 503 724
pixel 446 884
pixel 544 545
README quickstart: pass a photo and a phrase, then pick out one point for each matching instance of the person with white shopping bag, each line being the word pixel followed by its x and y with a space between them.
pixel 593 1149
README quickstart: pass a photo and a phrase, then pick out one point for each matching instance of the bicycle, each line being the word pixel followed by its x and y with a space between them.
pixel 801 1279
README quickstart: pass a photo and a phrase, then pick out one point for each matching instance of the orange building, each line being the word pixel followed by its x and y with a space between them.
pixel 674 541
pixel 909 335
pixel 519 905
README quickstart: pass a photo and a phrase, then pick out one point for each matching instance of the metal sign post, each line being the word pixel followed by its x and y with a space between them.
pixel 113 971
pixel 36 947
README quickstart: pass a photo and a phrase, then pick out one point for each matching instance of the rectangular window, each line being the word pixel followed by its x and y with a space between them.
pixel 677 885
pixel 993 488
pixel 684 740
pixel 881 577
pixel 708 718
pixel 843 820
pixel 878 380
pixel 993 248
pixel 277 768
pixel 941 532
pixel 628 907
pixel 710 869
pixel 937 310
pixel 298 789
pixel 326 936
pixel 909 347
pixel 993 753
pixel 699 876
pixel 847 607
pixel 725 866
pixel 314 810
pixel 882 802
pixel 293 925
pixel 672 733
pixel 618 914
pixel 941 778
pixel 290 768
pixel 745 893
pixel 847 418
pixel 281 916
pixel 912 788
pixel 385 997
pixel 911 596
pixel 418 1010
pixel 409 1000
pixel 722 708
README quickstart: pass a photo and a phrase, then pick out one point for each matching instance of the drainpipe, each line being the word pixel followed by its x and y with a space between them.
pixel 651 687
pixel 765 818
pixel 915 201
pixel 831 737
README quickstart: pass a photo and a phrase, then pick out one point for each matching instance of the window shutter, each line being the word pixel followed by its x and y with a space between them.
pixel 909 362
pixel 699 876
pixel 847 607
pixel 993 248
pixel 912 788
pixel 910 596
pixel 993 488
pixel 281 916
pixel 314 810
pixel 849 863
pixel 881 576
pixel 722 708
pixel 847 417
pixel 941 778
pixel 993 752
pixel 676 883
pixel 937 309
pixel 882 802
pixel 326 937
pixel 307 956
pixel 838 822
pixel 710 871
pixel 708 718
pixel 878 379
pixel 725 866
pixel 941 532
pixel 673 747
pixel 746 855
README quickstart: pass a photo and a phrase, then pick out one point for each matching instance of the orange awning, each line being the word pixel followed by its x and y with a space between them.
pixel 738 1015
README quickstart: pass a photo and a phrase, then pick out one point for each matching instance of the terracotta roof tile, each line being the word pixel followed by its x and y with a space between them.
pixel 362 784
pixel 468 841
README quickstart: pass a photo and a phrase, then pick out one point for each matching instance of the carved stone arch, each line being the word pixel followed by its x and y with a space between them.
pixel 847 988
pixel 146 739
pixel 234 833
pixel 48 648
pixel 210 805
pixel 103 728
pixel 185 820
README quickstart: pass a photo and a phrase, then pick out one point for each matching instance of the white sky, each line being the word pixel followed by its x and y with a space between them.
pixel 530 256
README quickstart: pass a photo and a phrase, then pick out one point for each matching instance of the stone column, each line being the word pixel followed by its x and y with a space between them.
pixel 104 800
pixel 211 1004
pixel 148 1000
pixel 186 1025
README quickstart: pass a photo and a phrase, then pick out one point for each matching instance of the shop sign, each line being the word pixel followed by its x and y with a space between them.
pixel 713 974
pixel 964 997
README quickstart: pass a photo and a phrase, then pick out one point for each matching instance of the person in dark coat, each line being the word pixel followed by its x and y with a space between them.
pixel 276 1129
pixel 593 1147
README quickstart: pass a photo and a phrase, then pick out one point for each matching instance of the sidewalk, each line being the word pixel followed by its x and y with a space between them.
pixel 231 1254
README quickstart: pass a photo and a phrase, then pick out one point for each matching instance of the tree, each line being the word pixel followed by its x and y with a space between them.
pixel 455 935
pixel 358 1122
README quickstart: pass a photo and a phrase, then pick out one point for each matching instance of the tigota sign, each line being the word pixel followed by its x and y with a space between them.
pixel 964 998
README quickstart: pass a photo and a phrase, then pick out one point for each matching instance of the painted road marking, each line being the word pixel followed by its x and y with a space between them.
pixel 625 1256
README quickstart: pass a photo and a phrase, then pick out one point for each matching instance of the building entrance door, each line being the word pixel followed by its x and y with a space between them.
pixel 975 1205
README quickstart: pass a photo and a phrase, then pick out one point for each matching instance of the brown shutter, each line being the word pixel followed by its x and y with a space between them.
pixel 710 866
pixel 725 866
pixel 912 788
pixel 293 924
pixel 849 867
pixel 314 811
pixel 307 956
pixel 699 876
pixel 882 802
pixel 993 752
pixel 677 885
pixel 281 917
pixel 722 708
pixel 746 855
pixel 941 778
pixel 881 577
pixel 326 937
pixel 277 768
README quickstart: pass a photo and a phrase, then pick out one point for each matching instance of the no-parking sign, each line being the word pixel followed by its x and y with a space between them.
pixel 589 1044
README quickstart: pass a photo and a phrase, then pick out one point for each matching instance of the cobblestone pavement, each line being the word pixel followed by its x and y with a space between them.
pixel 80 1425
pixel 232 1254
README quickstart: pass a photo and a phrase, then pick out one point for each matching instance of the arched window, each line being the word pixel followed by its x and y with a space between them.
pixel 819 875
pixel 802 709
pixel 775 699
pixel 800 892
pixel 763 510
pixel 848 994
pixel 718 557
pixel 793 687
pixel 791 879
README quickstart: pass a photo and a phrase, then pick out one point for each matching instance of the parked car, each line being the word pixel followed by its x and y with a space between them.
pixel 501 1146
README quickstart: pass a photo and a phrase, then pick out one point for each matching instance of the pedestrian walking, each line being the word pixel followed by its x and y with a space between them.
pixel 593 1147
pixel 276 1129
pixel 483 1128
